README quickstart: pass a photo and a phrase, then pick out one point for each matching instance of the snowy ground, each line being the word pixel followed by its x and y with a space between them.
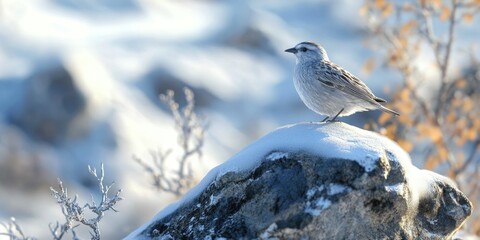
pixel 122 53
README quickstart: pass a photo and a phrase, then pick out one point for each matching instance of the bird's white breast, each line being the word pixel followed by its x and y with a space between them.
pixel 320 98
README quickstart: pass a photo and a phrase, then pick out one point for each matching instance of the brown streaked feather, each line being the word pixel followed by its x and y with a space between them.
pixel 344 81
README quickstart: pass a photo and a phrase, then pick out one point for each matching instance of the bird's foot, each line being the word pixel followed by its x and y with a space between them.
pixel 333 120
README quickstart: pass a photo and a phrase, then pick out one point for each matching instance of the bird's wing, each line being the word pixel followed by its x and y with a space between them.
pixel 334 76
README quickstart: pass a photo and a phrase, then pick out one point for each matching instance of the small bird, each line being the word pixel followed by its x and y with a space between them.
pixel 327 88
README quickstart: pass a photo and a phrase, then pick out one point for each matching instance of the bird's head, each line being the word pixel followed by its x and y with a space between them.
pixel 306 51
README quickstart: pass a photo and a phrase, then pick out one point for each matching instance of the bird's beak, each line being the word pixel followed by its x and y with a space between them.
pixel 291 50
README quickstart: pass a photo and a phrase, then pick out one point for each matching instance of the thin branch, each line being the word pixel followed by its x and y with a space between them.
pixel 190 140
pixel 14 231
pixel 470 158
pixel 446 60
pixel 75 213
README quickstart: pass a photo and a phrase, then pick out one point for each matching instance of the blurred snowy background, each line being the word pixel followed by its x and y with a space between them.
pixel 79 84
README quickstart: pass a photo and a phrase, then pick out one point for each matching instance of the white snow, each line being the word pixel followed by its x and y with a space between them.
pixel 214 200
pixel 329 140
pixel 311 192
pixel 276 155
pixel 318 206
pixel 399 187
pixel 334 188
pixel 267 234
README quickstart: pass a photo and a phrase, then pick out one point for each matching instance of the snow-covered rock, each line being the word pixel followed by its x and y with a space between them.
pixel 315 181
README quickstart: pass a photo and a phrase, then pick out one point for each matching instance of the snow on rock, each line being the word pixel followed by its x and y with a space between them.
pixel 315 181
pixel 276 155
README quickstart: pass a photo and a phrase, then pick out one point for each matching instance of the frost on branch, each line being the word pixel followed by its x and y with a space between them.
pixel 76 215
pixel 190 141
pixel 14 231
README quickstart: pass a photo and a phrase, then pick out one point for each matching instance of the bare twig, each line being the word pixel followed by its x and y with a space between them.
pixel 14 231
pixel 446 116
pixel 190 140
pixel 75 214
pixel 444 63
pixel 470 158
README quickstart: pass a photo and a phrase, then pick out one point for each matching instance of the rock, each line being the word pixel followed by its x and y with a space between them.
pixel 51 106
pixel 159 81
pixel 315 181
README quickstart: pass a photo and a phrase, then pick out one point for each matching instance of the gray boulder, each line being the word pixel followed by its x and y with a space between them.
pixel 51 105
pixel 315 181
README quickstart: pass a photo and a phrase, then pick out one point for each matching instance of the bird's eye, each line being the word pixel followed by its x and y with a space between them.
pixel 303 49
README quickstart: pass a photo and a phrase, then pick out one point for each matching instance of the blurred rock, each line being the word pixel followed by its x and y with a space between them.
pixel 22 165
pixel 298 194
pixel 51 106
pixel 251 39
pixel 99 7
pixel 159 81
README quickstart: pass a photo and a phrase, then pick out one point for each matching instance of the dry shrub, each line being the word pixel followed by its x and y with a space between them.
pixel 438 99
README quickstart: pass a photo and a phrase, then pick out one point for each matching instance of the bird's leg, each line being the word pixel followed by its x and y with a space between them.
pixel 325 119
pixel 333 119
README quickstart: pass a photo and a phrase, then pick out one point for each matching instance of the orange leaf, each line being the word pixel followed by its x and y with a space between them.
pixel 431 162
pixel 460 141
pixel 405 107
pixel 417 47
pixel 422 130
pixel 405 28
pixel 456 102
pixel 384 117
pixel 442 153
pixel 408 7
pixel 386 89
pixel 451 174
pixel 423 2
pixel 379 3
pixel 368 66
pixel 404 43
pixel 468 17
pixel 460 157
pixel 432 132
pixel 406 145
pixel 404 94
pixel 445 13
pixel 436 3
pixel 467 104
pixel 390 130
pixel 451 117
pixel 476 123
pixel 435 133
pixel 387 10
pixel 462 123
pixel 461 83
pixel 471 134
pixel 404 118
pixel 363 10
pixel 463 137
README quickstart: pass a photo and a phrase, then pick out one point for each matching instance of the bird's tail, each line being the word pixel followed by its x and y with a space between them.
pixel 385 109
